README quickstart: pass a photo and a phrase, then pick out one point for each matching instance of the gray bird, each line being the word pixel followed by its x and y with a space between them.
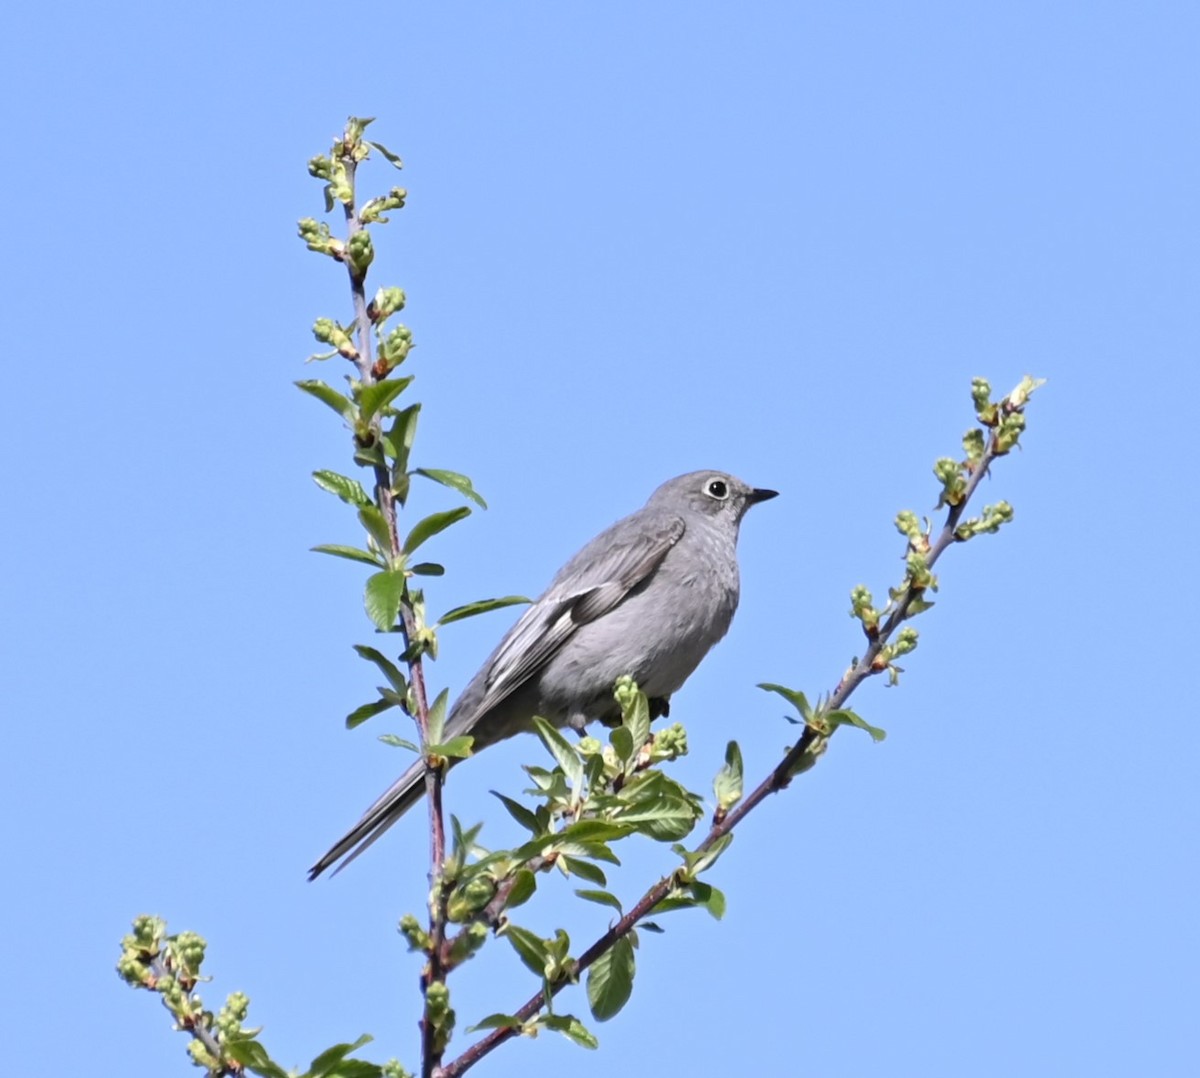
pixel 647 597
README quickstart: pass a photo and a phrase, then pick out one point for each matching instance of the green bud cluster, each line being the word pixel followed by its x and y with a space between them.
pixel 954 483
pixel 385 303
pixel 394 348
pixel 1009 432
pixel 862 603
pixel 329 332
pixel 360 252
pixel 668 744
pixel 974 445
pixel 374 208
pixel 317 237
pixel 468 941
pixel 993 517
pixel 414 935
pixel 981 397
pixel 470 898
pixel 439 1014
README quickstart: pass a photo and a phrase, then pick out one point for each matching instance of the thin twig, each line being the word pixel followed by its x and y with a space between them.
pixel 197 1029
pixel 778 778
pixel 435 971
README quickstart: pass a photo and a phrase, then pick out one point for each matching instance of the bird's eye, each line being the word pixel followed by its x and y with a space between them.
pixel 718 488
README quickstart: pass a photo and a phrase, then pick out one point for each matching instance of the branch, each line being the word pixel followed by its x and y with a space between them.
pixel 1005 422
pixel 435 971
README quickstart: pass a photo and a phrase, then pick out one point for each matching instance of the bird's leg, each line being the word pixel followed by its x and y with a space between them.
pixel 660 707
pixel 578 722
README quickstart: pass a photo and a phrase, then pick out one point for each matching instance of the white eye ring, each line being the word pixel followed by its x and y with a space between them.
pixel 717 488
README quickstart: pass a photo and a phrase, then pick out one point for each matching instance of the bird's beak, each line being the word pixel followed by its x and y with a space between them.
pixel 759 495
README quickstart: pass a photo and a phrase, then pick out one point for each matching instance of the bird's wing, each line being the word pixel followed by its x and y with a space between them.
pixel 588 587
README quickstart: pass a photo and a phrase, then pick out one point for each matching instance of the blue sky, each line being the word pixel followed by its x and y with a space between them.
pixel 775 239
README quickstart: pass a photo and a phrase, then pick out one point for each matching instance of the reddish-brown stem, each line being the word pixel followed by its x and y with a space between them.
pixel 435 972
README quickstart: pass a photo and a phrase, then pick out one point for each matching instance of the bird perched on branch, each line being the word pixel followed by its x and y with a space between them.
pixel 647 598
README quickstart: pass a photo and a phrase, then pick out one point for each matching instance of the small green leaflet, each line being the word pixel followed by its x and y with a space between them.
pixel 349 490
pixel 333 1060
pixel 845 717
pixel 561 749
pixel 376 524
pixel 524 885
pixel 482 606
pixel 395 160
pixel 437 716
pixel 386 667
pixel 727 786
pixel 399 439
pixel 459 747
pixel 353 553
pixel 377 396
pixel 496 1021
pixel 398 742
pixel 797 699
pixel 382 598
pixel 610 980
pixel 330 396
pixel 603 898
pixel 454 480
pixel 432 524
pixel 360 714
pixel 519 813
pixel 569 1026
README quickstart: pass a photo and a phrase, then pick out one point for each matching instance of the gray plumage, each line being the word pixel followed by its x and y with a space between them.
pixel 648 597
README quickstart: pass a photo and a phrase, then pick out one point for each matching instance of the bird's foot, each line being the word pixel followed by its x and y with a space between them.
pixel 660 707
pixel 578 722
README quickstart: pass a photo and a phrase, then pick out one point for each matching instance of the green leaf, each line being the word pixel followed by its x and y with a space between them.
pixel 483 606
pixel 358 1068
pixel 377 396
pixel 459 747
pixel 585 870
pixel 519 813
pixel 372 518
pixel 395 160
pixel 349 490
pixel 845 717
pixel 603 898
pixel 524 885
pixel 561 749
pixel 454 480
pixel 622 743
pixel 398 441
pixel 571 1027
pixel 432 524
pixel 326 394
pixel 701 862
pixel 328 1060
pixel 610 980
pixel 594 831
pixel 351 552
pixel 427 568
pixel 398 742
pixel 530 948
pixel 797 699
pixel 437 716
pixel 708 897
pixel 637 720
pixel 388 668
pixel 496 1021
pixel 253 1056
pixel 382 598
pixel 367 711
pixel 727 786
pixel 650 926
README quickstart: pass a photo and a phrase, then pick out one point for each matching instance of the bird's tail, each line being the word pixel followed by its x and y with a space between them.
pixel 395 801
